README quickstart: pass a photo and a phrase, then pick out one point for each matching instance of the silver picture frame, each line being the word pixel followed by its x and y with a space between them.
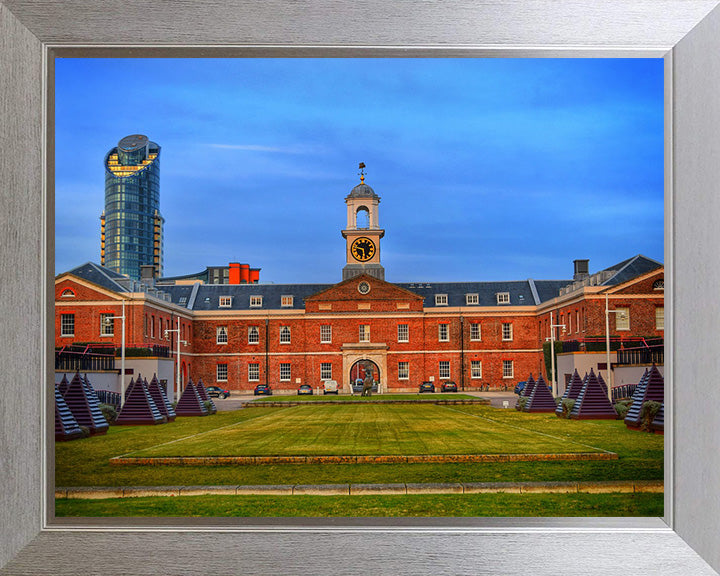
pixel 686 33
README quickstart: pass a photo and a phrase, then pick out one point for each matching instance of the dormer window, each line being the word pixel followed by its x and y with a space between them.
pixel 503 297
pixel 471 299
pixel 286 301
pixel 255 301
pixel 67 293
pixel 225 301
pixel 441 300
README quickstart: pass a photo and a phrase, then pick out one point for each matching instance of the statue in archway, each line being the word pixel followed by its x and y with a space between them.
pixel 368 382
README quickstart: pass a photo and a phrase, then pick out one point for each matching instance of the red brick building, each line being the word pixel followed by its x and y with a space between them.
pixel 477 334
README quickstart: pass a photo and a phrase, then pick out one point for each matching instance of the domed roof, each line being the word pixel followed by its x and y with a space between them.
pixel 362 190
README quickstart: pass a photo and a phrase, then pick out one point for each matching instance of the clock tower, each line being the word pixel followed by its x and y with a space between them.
pixel 362 234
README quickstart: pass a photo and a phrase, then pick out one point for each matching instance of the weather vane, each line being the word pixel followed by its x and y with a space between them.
pixel 362 172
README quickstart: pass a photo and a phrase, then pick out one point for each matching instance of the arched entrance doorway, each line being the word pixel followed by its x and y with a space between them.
pixel 358 372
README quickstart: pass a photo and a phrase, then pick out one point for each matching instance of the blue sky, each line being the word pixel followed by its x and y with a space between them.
pixel 487 169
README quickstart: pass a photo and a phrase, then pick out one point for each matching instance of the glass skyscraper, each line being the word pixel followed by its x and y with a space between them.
pixel 131 232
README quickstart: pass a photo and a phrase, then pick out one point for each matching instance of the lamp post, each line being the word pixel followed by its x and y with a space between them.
pixel 552 352
pixel 108 319
pixel 607 342
pixel 177 378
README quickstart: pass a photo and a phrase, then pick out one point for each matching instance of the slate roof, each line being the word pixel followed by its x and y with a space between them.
pixel 631 268
pixel 99 275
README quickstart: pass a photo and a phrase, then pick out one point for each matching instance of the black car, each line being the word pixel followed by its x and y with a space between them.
pixel 427 387
pixel 448 387
pixel 217 392
pixel 263 389
pixel 305 389
pixel 519 387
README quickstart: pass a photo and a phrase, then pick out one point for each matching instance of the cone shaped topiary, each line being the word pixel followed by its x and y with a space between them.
pixel 592 403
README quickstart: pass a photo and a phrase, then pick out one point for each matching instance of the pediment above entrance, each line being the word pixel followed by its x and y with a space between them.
pixel 364 293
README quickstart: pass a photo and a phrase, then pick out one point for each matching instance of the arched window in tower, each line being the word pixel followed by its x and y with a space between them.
pixel 362 218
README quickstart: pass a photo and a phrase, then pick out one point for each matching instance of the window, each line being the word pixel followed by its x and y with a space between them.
pixel 444 369
pixel 221 373
pixel 255 301
pixel 403 333
pixel 443 333
pixel 403 370
pixel 284 334
pixel 253 372
pixel 221 336
pixel 107 325
pixel 152 327
pixel 253 335
pixel 508 369
pixel 325 371
pixel 569 324
pixel 286 301
pixel 325 333
pixel 507 331
pixel 657 285
pixel 364 333
pixel 441 300
pixel 475 334
pixel 67 324
pixel 475 369
pixel 284 372
pixel 67 293
pixel 577 321
pixel 225 301
pixel 471 299
pixel 660 318
pixel 503 297
pixel 622 319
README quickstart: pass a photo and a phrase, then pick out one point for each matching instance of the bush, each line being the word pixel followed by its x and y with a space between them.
pixel 210 407
pixel 567 406
pixel 521 403
pixel 109 411
pixel 622 408
pixel 647 414
pixel 85 432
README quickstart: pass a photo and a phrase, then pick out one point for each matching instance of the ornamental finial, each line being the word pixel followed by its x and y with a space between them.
pixel 362 172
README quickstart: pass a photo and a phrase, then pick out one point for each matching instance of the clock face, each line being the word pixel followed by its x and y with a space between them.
pixel 362 249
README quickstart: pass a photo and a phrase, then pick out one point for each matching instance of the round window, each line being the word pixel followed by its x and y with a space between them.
pixel 363 287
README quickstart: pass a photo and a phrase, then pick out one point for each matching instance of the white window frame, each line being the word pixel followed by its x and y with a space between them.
pixel 475 332
pixel 286 301
pixel 285 372
pixel 443 332
pixel 67 293
pixel 254 372
pixel 507 331
pixel 253 335
pixel 326 371
pixel 325 334
pixel 221 335
pixel 221 372
pixel 364 333
pixel 65 325
pixel 403 333
pixel 403 370
pixel 508 368
pixel 107 328
pixel 444 369
pixel 622 324
pixel 285 336
pixel 503 297
pixel 472 299
pixel 441 299
pixel 660 318
pixel 256 301
pixel 476 369
pixel 225 302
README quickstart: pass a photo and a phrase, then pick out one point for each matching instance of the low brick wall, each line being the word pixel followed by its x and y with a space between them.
pixel 370 459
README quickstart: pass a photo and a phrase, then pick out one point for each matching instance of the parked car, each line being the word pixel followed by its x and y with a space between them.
pixel 330 387
pixel 217 392
pixel 427 387
pixel 305 389
pixel 448 387
pixel 263 389
pixel 358 386
pixel 519 387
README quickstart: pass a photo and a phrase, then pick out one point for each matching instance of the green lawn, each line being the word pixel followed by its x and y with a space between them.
pixel 362 429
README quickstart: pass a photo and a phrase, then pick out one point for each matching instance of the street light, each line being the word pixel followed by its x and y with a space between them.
pixel 177 379
pixel 122 354
pixel 552 352
pixel 607 342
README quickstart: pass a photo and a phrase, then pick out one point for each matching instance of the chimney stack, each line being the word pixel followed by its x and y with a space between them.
pixel 582 269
